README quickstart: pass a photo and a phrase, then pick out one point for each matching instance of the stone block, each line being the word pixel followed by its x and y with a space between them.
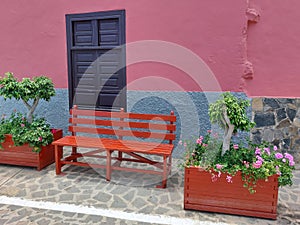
pixel 257 104
pixel 286 143
pixel 296 122
pixel 280 114
pixel 291 113
pixel 268 135
pixel 278 134
pixel 271 102
pixel 286 101
pixel 264 119
pixel 284 123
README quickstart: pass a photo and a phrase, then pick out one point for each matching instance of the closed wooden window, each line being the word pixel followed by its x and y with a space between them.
pixel 96 60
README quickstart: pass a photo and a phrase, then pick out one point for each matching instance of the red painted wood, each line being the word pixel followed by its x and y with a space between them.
pixel 118 124
pixel 124 115
pixel 119 132
pixel 24 156
pixel 111 144
pixel 200 193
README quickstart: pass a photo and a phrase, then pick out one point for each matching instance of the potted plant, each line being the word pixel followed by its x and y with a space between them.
pixel 25 139
pixel 236 178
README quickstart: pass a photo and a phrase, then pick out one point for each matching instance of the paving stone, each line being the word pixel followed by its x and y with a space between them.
pixel 129 195
pixel 47 186
pixel 164 199
pixel 118 203
pixel 38 194
pixel 72 190
pixel 43 222
pixel 148 209
pixel 66 197
pixel 153 199
pixel 138 203
pixel 103 197
pixel 15 219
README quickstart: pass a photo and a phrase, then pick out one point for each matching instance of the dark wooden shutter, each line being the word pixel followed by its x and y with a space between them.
pixel 96 60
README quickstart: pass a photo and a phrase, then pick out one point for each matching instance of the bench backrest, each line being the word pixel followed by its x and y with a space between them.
pixel 123 124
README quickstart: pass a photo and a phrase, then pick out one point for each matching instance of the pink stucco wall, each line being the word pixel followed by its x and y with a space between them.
pixel 273 48
pixel 33 41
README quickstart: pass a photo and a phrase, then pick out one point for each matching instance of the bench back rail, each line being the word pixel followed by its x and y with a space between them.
pixel 122 124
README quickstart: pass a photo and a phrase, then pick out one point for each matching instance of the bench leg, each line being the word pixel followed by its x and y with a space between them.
pixel 120 155
pixel 74 152
pixel 58 154
pixel 170 164
pixel 108 165
pixel 164 173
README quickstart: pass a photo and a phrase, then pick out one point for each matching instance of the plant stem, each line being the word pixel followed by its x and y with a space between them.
pixel 229 128
pixel 31 108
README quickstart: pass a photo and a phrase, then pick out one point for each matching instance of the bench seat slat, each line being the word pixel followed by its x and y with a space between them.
pixel 110 144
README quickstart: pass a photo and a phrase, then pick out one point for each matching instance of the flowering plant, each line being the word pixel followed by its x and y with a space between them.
pixel 36 134
pixel 26 129
pixel 254 161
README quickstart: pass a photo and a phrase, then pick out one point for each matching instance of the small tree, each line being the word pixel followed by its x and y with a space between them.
pixel 30 91
pixel 229 112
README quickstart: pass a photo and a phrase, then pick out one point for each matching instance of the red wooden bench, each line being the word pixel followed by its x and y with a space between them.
pixel 136 135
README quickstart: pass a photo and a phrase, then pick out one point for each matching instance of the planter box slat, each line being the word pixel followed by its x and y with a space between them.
pixel 243 212
pixel 232 203
pixel 258 196
pixel 200 193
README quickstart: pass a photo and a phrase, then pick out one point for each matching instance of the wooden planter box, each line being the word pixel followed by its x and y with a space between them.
pixel 200 193
pixel 24 156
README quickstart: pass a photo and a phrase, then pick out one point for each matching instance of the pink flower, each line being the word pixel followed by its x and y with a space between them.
pixel 278 156
pixel 257 164
pixel 284 160
pixel 205 145
pixel 289 156
pixel 259 158
pixel 278 170
pixel 208 131
pixel 179 142
pixel 275 148
pixel 214 178
pixel 257 151
pixel 291 163
pixel 22 125
pixel 53 131
pixel 229 179
pixel 246 164
pixel 235 146
pixel 267 150
pixel 184 144
pixel 199 141
pixel 40 138
pixel 219 166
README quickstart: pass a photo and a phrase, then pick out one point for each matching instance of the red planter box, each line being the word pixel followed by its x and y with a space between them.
pixel 24 156
pixel 200 193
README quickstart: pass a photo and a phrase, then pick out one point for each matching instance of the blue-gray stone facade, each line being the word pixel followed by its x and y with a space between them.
pixel 277 120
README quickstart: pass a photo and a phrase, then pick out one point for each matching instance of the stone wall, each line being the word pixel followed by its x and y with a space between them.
pixel 277 121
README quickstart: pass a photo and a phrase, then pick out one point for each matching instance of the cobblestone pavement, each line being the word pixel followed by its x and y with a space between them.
pixel 83 196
